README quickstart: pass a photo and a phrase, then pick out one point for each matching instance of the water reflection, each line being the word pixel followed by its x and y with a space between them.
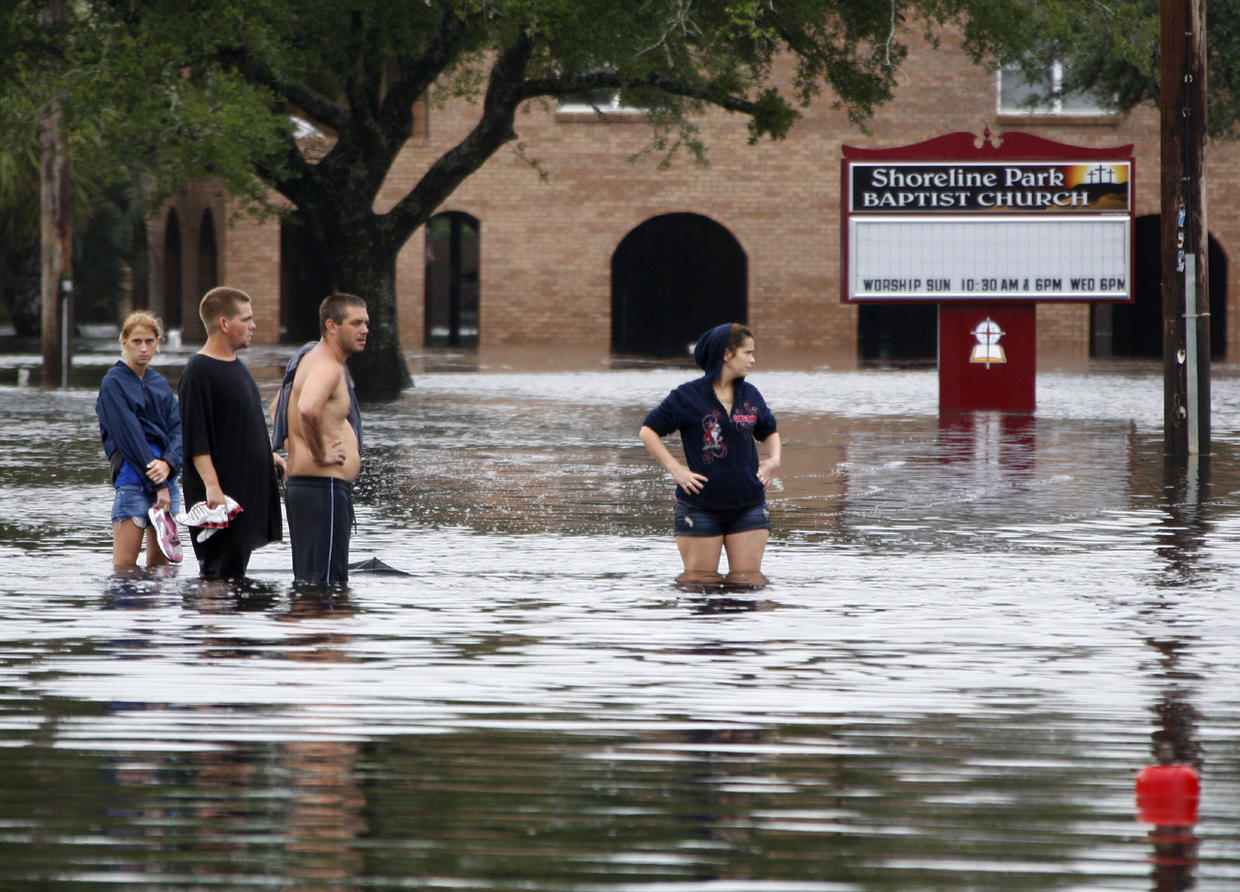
pixel 1186 528
pixel 213 596
pixel 319 602
pixel 989 440
pixel 975 631
pixel 1175 745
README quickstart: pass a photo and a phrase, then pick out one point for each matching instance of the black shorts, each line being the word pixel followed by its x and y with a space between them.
pixel 320 522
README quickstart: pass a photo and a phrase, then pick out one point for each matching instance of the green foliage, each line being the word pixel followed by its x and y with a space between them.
pixel 101 248
pixel 203 88
pixel 192 89
pixel 1223 70
pixel 1108 49
pixel 19 235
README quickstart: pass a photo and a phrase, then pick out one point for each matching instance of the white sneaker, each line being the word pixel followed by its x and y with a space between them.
pixel 199 515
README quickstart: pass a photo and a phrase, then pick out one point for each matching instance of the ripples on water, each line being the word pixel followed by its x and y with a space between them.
pixel 976 634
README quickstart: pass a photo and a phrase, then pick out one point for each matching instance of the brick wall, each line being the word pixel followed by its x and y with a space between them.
pixel 253 265
pixel 546 245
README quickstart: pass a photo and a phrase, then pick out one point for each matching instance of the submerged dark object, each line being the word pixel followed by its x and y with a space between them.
pixel 374 565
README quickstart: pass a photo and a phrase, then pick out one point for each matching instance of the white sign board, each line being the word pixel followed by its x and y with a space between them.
pixel 934 231
pixel 1044 258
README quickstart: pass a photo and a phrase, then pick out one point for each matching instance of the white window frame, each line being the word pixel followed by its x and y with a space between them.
pixel 612 105
pixel 1055 105
pixel 612 109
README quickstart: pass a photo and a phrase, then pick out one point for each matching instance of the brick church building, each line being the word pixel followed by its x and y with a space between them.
pixel 610 255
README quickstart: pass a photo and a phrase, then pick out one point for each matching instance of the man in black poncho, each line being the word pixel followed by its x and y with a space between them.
pixel 226 445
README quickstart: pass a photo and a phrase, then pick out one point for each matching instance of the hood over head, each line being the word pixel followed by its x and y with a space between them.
pixel 709 350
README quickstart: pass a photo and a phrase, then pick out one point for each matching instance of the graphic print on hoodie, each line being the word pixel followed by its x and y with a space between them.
pixel 720 447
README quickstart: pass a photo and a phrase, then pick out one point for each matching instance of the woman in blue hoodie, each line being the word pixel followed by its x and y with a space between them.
pixel 141 431
pixel 721 485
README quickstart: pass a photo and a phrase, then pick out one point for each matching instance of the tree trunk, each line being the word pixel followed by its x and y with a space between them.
pixel 379 372
pixel 57 238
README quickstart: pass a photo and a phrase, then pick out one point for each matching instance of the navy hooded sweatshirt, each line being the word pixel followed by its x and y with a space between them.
pixel 138 422
pixel 721 448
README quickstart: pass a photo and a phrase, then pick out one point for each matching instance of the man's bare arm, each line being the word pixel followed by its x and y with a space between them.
pixel 317 387
pixel 206 470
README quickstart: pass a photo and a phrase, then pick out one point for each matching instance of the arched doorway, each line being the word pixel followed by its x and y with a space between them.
pixel 453 255
pixel 208 256
pixel 172 271
pixel 672 278
pixel 897 332
pixel 305 279
pixel 1135 330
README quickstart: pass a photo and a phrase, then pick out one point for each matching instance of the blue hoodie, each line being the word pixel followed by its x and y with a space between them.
pixel 715 445
pixel 139 422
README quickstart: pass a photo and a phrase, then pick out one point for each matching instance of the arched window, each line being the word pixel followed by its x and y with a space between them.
pixel 672 278
pixel 453 243
pixel 172 271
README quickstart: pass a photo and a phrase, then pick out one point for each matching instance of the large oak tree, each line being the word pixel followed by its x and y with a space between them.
pixel 194 88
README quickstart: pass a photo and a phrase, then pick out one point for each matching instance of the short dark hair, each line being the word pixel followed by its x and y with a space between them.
pixel 221 301
pixel 335 307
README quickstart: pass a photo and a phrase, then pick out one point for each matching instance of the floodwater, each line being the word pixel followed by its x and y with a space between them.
pixel 977 632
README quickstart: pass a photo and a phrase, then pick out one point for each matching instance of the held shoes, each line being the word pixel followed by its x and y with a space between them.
pixel 209 519
pixel 166 533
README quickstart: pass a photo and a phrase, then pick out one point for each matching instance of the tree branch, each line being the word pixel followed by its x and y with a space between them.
pixel 708 94
pixel 313 103
pixel 603 80
pixel 361 86
pixel 296 180
pixel 415 76
pixel 505 93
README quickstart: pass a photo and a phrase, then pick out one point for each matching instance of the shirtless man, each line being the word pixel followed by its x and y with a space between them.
pixel 324 444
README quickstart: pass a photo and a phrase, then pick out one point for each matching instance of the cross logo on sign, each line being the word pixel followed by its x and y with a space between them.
pixel 988 333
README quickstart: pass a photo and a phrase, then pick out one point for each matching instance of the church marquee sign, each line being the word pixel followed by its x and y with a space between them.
pixel 946 221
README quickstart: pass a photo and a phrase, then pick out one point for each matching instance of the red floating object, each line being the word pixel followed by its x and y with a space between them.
pixel 1168 795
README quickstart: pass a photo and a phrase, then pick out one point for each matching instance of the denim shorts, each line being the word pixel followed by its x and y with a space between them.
pixel 694 521
pixel 131 501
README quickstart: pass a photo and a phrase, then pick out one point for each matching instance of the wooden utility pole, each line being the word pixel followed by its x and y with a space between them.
pixel 1185 277
pixel 57 233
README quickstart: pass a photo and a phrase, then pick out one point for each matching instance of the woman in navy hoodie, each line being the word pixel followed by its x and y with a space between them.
pixel 141 431
pixel 721 486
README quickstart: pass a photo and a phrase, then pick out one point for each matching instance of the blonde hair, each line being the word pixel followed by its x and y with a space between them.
pixel 141 319
pixel 221 301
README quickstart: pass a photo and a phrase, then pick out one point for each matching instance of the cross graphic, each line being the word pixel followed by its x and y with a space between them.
pixel 1101 174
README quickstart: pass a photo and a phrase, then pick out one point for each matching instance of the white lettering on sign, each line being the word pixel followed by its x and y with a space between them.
pixel 1025 200
pixel 1020 176
pixel 952 178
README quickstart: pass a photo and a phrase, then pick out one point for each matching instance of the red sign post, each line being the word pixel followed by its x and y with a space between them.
pixel 986 232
